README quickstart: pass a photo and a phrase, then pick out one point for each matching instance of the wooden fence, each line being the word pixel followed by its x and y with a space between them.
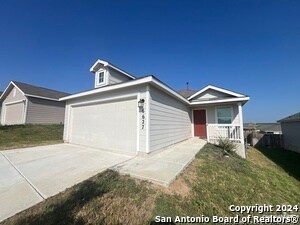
pixel 264 140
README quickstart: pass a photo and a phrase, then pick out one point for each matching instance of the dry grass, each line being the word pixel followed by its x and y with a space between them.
pixel 208 186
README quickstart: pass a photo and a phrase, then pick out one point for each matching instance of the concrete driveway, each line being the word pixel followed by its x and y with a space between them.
pixel 30 175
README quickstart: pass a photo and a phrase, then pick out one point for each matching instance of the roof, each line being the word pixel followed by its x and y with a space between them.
pixel 144 80
pixel 232 93
pixel 154 81
pixel 267 127
pixel 36 91
pixel 291 118
pixel 186 92
pixel 100 62
pixel 183 95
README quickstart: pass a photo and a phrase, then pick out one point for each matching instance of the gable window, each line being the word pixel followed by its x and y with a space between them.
pixel 101 77
pixel 224 115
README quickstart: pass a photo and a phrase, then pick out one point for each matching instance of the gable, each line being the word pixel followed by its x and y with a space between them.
pixel 215 94
pixel 13 94
pixel 211 95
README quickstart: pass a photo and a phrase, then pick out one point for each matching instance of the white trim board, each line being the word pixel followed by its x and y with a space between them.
pixel 216 89
pixel 220 101
pixel 107 64
pixel 149 79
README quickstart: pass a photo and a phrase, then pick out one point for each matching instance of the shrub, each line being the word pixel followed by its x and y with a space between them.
pixel 228 146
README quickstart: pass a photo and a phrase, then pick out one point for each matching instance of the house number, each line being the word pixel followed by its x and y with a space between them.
pixel 143 121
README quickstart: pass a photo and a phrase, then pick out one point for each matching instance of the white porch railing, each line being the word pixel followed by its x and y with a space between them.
pixel 217 131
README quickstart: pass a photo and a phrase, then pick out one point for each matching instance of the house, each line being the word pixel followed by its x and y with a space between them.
pixel 24 103
pixel 0 103
pixel 142 115
pixel 290 128
pixel 267 128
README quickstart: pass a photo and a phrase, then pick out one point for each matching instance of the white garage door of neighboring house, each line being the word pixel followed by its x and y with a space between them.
pixel 109 125
pixel 14 113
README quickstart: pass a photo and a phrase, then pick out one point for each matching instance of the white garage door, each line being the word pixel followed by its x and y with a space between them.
pixel 14 113
pixel 109 125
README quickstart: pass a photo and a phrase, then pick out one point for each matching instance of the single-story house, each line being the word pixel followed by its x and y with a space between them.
pixel 291 132
pixel 142 115
pixel 28 104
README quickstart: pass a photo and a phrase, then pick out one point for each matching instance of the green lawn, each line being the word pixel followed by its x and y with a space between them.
pixel 209 185
pixel 19 136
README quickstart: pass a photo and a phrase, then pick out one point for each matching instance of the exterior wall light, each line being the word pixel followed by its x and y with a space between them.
pixel 141 103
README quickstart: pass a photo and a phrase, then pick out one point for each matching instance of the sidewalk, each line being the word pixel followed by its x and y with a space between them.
pixel 164 166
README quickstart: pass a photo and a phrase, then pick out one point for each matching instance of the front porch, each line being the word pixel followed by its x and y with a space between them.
pixel 224 131
pixel 217 113
pixel 215 122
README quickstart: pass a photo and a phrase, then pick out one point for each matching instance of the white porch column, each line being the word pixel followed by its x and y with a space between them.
pixel 241 122
pixel 207 132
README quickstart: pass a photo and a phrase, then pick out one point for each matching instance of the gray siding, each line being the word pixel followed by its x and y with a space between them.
pixel 116 77
pixel 211 94
pixel 170 120
pixel 45 111
pixel 291 135
pixel 14 95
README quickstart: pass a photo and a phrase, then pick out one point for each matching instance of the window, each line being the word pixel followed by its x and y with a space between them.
pixel 101 77
pixel 224 115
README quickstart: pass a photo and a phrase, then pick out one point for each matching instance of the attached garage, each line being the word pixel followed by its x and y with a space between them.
pixel 110 125
pixel 14 113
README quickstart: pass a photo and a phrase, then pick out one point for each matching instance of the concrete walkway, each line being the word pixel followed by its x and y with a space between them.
pixel 30 175
pixel 164 166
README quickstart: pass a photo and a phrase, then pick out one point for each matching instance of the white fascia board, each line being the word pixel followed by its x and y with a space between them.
pixel 36 96
pixel 145 80
pixel 216 89
pixel 106 64
pixel 109 88
pixel 121 71
pixel 11 83
pixel 17 87
pixel 221 101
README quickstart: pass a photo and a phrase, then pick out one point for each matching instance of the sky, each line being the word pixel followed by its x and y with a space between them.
pixel 248 46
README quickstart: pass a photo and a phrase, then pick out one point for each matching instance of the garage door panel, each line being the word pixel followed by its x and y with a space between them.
pixel 14 113
pixel 110 125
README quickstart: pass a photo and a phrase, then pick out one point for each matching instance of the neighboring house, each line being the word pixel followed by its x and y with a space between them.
pixel 0 103
pixel 24 103
pixel 143 115
pixel 291 132
pixel 267 128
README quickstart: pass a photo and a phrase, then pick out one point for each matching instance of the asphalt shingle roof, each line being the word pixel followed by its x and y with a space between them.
pixel 29 89
pixel 294 117
pixel 186 93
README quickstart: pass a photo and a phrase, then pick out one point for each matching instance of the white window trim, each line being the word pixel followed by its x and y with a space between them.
pixel 105 78
pixel 216 114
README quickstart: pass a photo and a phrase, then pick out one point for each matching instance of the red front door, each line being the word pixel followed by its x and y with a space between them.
pixel 200 123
